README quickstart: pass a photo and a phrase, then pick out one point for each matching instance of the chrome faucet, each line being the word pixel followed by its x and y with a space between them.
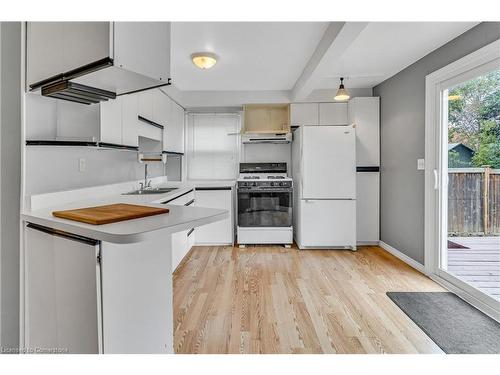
pixel 147 183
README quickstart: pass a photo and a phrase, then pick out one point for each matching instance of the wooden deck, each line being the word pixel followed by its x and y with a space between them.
pixel 479 265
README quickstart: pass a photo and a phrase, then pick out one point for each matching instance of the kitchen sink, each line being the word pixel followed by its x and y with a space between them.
pixel 150 191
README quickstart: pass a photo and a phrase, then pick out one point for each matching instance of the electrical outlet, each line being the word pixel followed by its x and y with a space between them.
pixel 82 165
pixel 420 164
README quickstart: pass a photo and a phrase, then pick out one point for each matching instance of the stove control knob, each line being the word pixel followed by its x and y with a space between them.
pixel 281 184
pixel 272 183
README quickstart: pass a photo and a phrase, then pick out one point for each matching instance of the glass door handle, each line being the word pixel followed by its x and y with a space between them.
pixel 436 179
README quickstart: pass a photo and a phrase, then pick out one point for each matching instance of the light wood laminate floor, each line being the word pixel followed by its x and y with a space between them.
pixel 267 299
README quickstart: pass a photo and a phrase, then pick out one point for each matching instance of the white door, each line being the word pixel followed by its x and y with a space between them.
pixel 462 246
pixel 328 223
pixel 328 162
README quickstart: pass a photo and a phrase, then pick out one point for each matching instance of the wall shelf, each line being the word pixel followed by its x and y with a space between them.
pixel 266 118
pixel 99 145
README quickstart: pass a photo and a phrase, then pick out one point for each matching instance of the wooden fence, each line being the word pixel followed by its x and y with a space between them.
pixel 474 201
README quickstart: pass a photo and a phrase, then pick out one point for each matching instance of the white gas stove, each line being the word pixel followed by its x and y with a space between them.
pixel 264 204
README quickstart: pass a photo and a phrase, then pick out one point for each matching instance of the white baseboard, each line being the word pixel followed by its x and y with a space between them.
pixel 368 243
pixel 405 258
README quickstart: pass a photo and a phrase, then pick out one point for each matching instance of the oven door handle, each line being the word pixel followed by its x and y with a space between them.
pixel 266 191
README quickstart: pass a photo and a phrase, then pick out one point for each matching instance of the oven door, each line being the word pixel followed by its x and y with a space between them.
pixel 272 208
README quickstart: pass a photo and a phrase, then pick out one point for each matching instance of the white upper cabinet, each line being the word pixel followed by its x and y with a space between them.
pixel 364 112
pixel 143 47
pixel 161 107
pixel 111 121
pixel 146 104
pixel 57 47
pixel 121 57
pixel 304 114
pixel 130 105
pixel 333 114
pixel 173 134
pixel 119 121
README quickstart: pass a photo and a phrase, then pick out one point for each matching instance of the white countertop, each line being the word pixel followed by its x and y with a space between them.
pixel 178 219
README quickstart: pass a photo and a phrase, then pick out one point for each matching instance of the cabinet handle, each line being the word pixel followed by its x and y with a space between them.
pixel 189 203
pixel 190 232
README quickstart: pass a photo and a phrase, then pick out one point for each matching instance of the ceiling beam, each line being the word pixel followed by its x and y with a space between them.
pixel 335 41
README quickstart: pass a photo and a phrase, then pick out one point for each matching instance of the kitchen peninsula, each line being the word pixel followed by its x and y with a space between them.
pixel 106 288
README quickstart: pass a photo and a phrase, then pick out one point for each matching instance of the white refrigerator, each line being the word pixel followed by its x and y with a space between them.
pixel 324 174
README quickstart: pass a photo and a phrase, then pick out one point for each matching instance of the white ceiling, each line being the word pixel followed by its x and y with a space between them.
pixel 383 49
pixel 260 56
pixel 253 55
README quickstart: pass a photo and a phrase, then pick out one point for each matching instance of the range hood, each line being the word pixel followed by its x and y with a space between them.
pixel 75 92
pixel 91 62
pixel 248 138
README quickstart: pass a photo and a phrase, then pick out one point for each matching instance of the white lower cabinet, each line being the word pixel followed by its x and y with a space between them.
pixel 367 217
pixel 62 292
pixel 220 232
pixel 182 241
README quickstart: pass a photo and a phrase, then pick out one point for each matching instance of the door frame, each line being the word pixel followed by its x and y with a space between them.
pixel 469 66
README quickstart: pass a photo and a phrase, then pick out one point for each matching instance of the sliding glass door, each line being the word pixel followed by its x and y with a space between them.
pixel 463 184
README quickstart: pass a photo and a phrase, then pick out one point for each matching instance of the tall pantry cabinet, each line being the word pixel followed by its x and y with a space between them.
pixel 364 113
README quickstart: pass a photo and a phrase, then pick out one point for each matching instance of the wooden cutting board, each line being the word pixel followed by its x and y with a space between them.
pixel 111 213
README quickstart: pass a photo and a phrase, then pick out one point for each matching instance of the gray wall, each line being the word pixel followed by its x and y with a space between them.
pixel 402 112
pixel 10 167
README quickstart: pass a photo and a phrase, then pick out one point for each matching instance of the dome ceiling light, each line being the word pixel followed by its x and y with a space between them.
pixel 204 60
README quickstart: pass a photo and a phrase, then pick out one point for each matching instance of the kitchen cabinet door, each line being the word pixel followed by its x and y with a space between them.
pixel 174 135
pixel 333 114
pixel 220 232
pixel 57 47
pixel 365 114
pixel 111 121
pixel 367 208
pixel 304 114
pixel 161 107
pixel 181 244
pixel 143 47
pixel 130 128
pixel 62 292
pixel 146 104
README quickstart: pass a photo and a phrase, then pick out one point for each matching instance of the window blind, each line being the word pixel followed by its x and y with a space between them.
pixel 212 146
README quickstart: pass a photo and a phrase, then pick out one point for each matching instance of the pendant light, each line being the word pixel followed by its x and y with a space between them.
pixel 342 92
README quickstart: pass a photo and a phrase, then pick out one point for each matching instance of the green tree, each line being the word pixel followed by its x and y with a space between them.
pixel 488 152
pixel 474 117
